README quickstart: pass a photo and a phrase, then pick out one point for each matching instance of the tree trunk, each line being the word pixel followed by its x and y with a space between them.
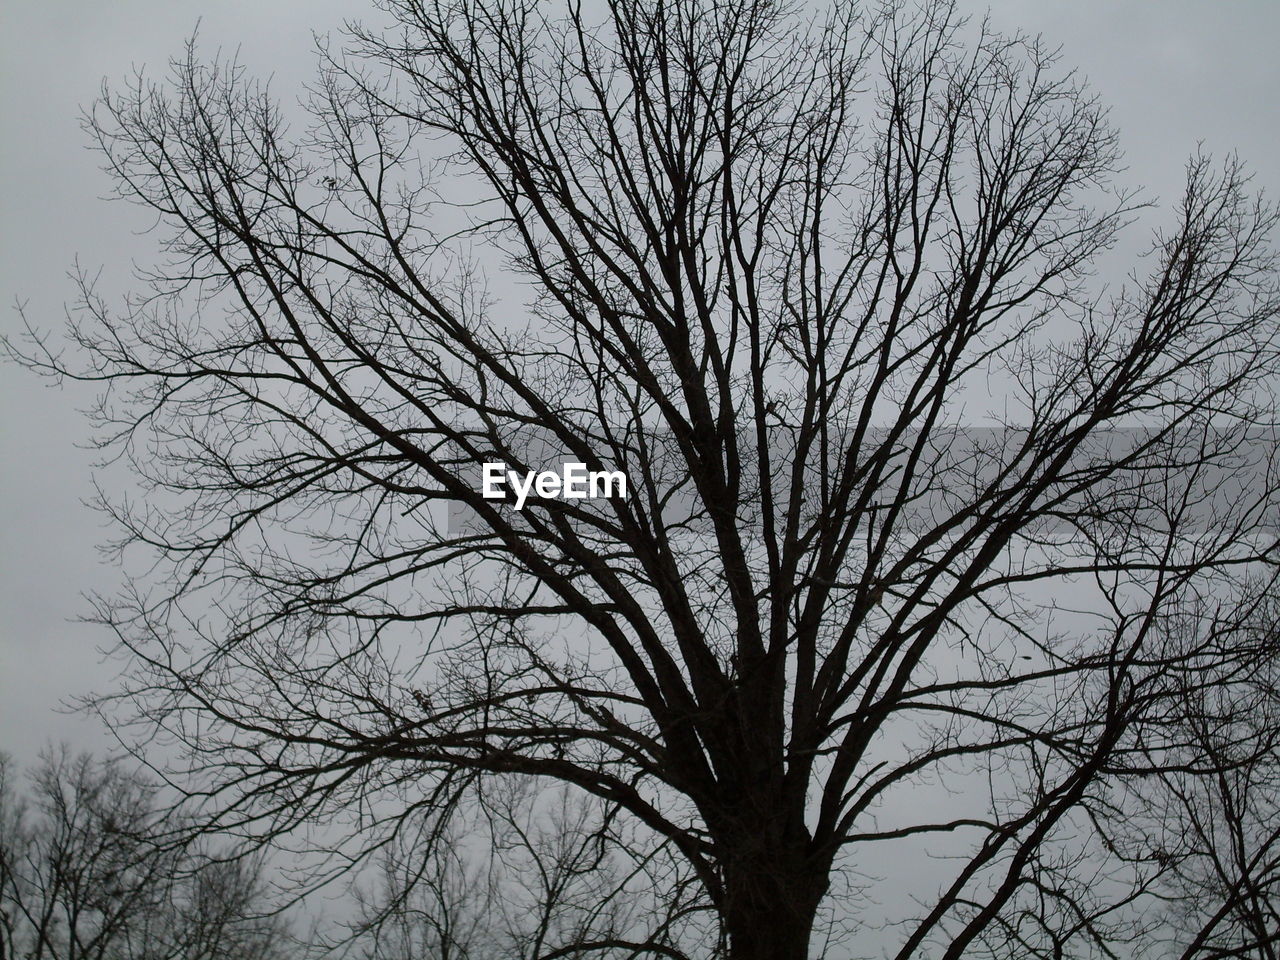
pixel 771 903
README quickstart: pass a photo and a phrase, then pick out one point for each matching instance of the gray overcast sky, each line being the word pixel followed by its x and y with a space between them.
pixel 1175 72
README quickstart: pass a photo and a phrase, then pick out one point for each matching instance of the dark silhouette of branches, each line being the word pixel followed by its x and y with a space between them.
pixel 912 498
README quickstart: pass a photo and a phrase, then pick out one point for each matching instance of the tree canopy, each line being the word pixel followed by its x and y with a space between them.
pixel 934 543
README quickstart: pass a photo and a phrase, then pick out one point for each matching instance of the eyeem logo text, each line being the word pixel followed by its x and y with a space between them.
pixel 573 482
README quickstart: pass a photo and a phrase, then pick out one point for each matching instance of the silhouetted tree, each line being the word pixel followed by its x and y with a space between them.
pixel 911 498
pixel 92 868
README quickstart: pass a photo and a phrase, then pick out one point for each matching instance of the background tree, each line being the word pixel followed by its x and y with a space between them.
pixel 89 870
pixel 1214 819
pixel 526 874
pixel 772 268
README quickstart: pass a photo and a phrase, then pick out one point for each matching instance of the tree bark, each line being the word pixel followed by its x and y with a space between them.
pixel 771 901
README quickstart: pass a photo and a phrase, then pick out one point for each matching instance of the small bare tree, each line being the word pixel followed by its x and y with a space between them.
pixel 1215 823
pixel 90 870
pixel 1226 883
pixel 773 269
pixel 528 875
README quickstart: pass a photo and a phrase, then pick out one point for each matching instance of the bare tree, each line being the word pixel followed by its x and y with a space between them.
pixel 1214 821
pixel 89 870
pixel 1227 884
pixel 528 875
pixel 911 498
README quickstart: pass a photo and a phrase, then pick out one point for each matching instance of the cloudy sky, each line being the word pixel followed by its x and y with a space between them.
pixel 1176 73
